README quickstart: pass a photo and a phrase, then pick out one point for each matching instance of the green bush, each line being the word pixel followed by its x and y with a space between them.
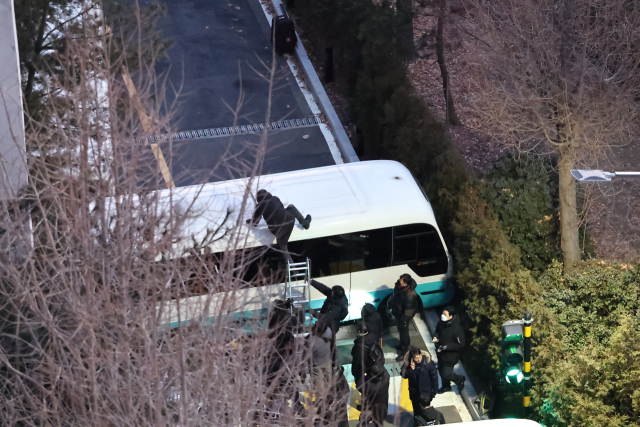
pixel 523 192
pixel 588 368
pixel 496 286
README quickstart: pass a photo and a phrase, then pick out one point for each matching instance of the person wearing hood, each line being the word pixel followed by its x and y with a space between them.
pixel 375 393
pixel 359 353
pixel 449 339
pixel 422 374
pixel 335 308
pixel 279 219
pixel 404 306
pixel 373 320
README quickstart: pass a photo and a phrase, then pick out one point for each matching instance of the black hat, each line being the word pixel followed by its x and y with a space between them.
pixel 450 309
pixel 368 310
pixel 337 291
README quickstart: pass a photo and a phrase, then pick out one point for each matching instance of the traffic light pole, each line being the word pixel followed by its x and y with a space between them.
pixel 527 359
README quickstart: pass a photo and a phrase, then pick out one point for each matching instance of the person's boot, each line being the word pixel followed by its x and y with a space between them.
pixel 443 389
pixel 307 222
pixel 460 385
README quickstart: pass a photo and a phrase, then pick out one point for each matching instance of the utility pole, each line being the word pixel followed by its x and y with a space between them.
pixel 526 399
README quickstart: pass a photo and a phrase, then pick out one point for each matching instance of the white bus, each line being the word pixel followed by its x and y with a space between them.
pixel 371 223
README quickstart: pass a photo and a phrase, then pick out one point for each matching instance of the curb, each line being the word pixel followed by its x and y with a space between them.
pixel 469 394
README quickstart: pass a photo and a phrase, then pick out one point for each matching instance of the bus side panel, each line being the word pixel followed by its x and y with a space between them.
pixel 435 293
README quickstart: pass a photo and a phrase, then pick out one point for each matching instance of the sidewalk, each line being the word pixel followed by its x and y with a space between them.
pixel 451 404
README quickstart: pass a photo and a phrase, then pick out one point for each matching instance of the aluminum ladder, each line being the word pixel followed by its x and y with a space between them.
pixel 297 285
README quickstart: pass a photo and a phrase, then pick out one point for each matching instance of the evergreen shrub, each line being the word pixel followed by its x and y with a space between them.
pixel 523 191
pixel 587 367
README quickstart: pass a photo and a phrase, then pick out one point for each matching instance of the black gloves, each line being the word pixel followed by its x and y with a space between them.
pixel 442 348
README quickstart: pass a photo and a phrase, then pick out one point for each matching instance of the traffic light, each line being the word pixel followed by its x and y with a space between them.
pixel 511 356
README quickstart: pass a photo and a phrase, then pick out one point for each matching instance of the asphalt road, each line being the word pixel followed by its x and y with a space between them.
pixel 220 53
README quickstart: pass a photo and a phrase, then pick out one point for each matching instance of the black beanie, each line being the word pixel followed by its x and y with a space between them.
pixel 450 309
pixel 368 310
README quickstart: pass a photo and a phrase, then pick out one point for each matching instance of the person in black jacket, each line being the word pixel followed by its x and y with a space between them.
pixel 360 353
pixel 422 374
pixel 404 306
pixel 372 318
pixel 449 339
pixel 375 393
pixel 428 414
pixel 335 308
pixel 279 219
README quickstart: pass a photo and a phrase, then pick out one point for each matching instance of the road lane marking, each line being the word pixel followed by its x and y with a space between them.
pixel 148 128
pixel 164 168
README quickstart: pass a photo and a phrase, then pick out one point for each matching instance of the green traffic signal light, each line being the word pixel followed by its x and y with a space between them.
pixel 511 356
pixel 514 376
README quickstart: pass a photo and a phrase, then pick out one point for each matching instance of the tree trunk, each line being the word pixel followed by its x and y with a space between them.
pixel 37 48
pixel 569 222
pixel 405 7
pixel 450 110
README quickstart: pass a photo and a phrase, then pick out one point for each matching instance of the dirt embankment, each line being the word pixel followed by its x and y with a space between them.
pixel 612 210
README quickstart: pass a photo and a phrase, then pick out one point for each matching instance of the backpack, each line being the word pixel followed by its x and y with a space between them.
pixel 375 355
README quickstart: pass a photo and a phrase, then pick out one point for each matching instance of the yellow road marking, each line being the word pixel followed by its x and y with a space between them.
pixel 354 414
pixel 148 128
pixel 405 402
pixel 166 174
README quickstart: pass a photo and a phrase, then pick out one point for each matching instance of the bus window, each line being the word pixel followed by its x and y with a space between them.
pixel 419 246
pixel 345 253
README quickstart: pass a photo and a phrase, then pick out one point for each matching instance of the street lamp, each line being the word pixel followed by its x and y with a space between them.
pixel 588 175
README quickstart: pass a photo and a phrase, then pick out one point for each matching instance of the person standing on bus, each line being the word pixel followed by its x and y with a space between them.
pixel 449 339
pixel 373 320
pixel 279 219
pixel 335 308
pixel 404 306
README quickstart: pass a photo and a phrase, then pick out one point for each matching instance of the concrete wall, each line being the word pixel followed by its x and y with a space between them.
pixel 13 170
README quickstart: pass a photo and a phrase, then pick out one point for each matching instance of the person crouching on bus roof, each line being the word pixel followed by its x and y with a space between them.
pixel 403 307
pixel 335 308
pixel 279 219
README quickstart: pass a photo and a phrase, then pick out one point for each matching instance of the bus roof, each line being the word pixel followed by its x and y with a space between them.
pixel 340 199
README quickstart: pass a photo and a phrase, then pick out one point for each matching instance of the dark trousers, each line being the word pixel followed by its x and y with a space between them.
pixel 447 375
pixel 378 411
pixel 283 232
pixel 405 340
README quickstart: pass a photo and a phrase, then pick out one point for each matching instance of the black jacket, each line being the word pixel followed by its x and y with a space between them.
pixel 430 414
pixel 274 213
pixel 423 381
pixel 376 391
pixel 334 310
pixel 359 355
pixel 404 304
pixel 449 334
pixel 373 320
